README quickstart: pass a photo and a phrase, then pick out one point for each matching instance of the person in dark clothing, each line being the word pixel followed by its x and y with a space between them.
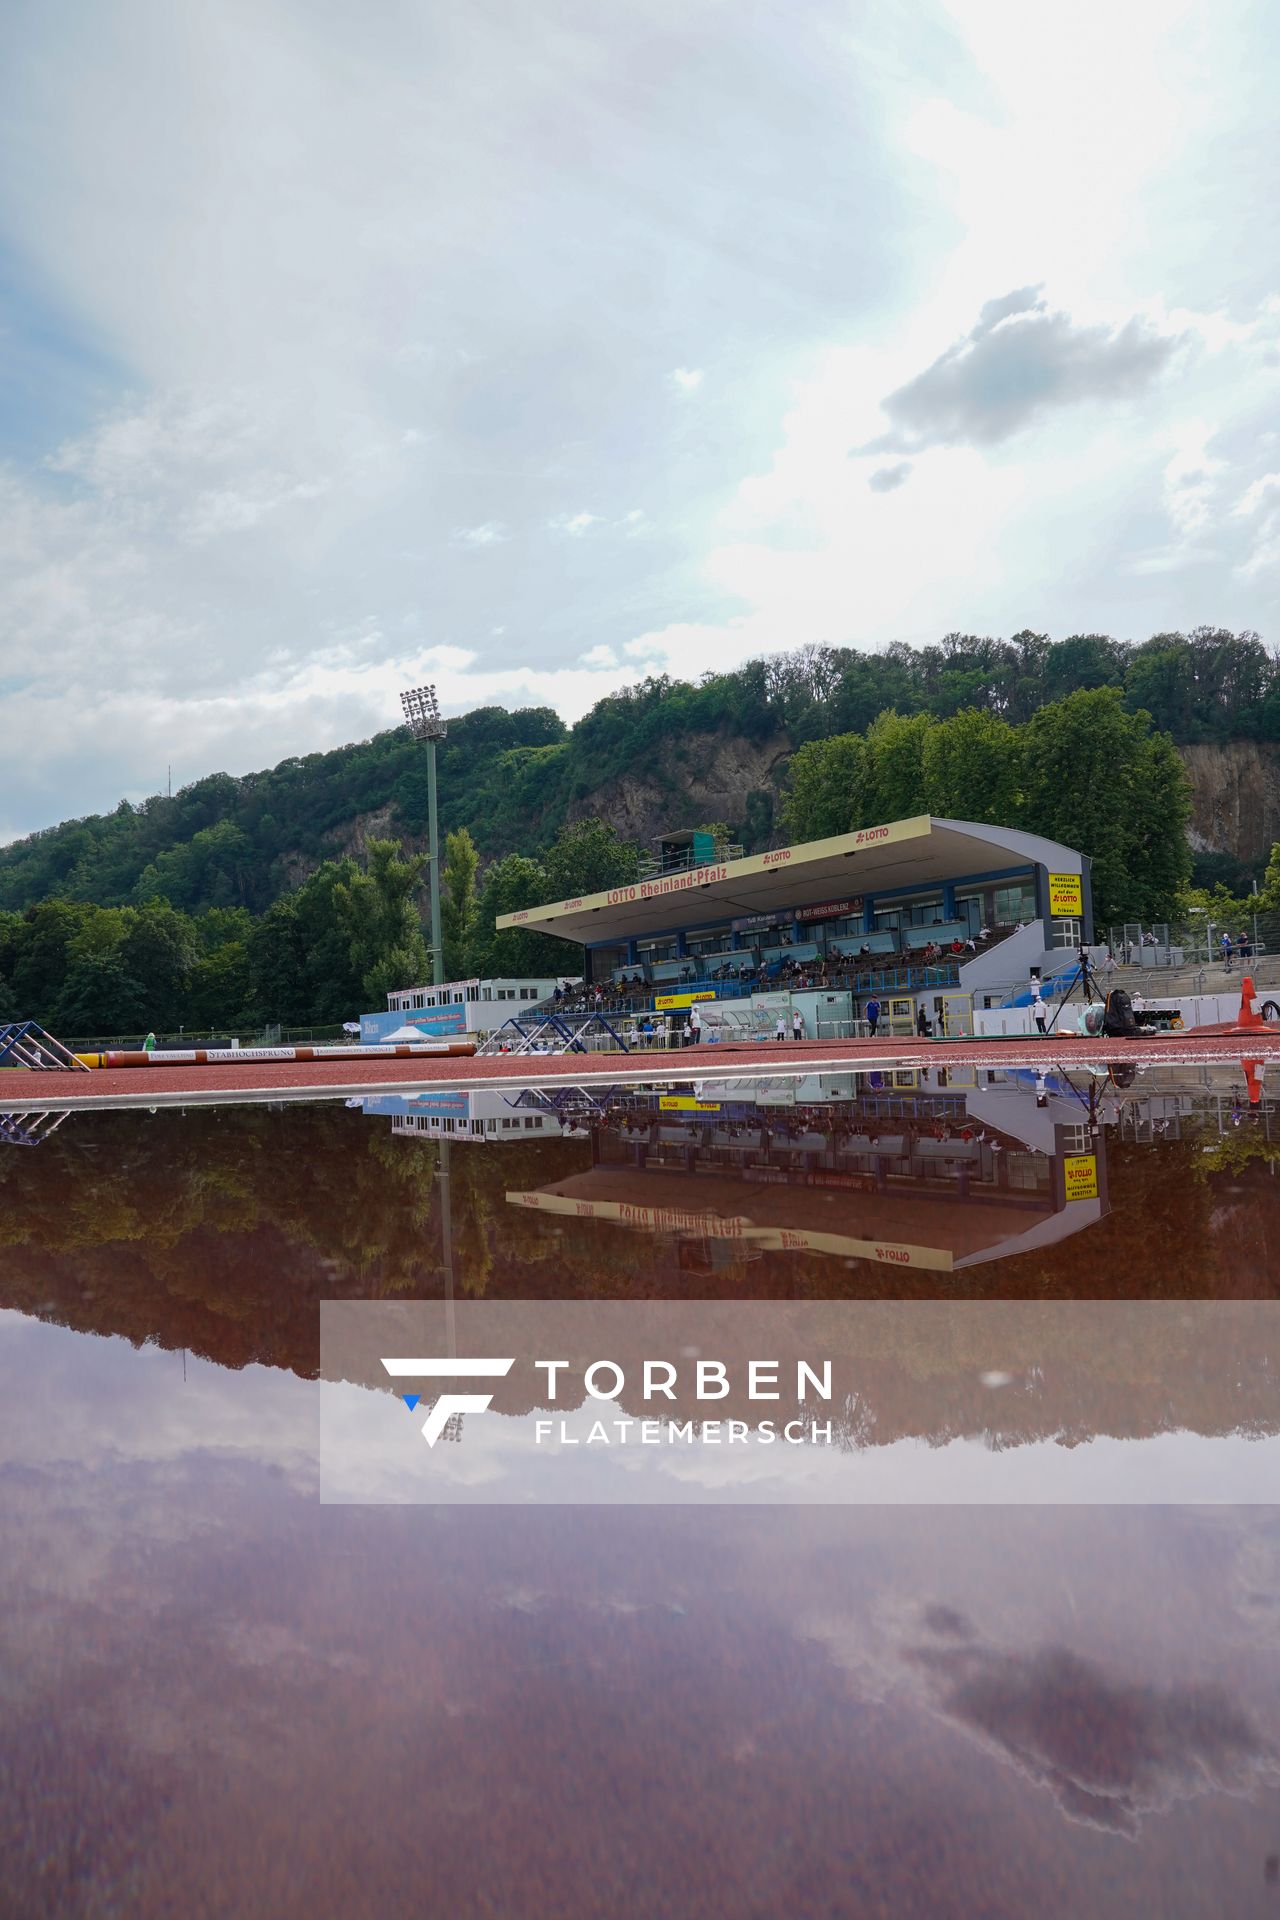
pixel 871 1012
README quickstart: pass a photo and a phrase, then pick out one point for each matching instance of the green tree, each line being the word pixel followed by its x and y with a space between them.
pixel 278 965
pixel 511 885
pixel 377 911
pixel 827 785
pixel 101 932
pixel 1159 854
pixel 159 951
pixel 588 857
pixel 99 999
pixel 1269 892
pixel 895 767
pixel 40 958
pixel 211 869
pixel 1097 779
pixel 219 926
pixel 458 903
pixel 972 769
pixel 221 991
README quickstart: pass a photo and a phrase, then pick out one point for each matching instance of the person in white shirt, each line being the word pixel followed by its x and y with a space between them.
pixel 780 1030
pixel 797 1025
pixel 1037 1009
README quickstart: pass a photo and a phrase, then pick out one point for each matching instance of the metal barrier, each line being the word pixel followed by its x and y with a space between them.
pixel 29 1129
pixel 23 1043
pixel 534 1032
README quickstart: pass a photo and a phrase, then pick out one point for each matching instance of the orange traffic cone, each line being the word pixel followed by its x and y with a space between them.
pixel 1248 1018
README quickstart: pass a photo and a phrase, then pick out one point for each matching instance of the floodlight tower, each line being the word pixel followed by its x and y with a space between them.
pixel 422 717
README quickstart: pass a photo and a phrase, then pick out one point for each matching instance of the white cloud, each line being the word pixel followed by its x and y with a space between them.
pixel 335 372
pixel 488 534
pixel 1019 360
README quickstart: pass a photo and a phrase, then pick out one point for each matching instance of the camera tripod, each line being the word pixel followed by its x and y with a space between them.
pixel 1084 978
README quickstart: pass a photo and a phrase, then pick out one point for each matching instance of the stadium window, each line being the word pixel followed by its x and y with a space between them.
pixel 1015 905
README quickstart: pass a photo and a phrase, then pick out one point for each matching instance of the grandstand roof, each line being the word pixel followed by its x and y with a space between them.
pixel 922 851
pixel 929 1227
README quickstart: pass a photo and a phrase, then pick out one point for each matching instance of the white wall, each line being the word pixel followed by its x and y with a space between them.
pixel 1013 960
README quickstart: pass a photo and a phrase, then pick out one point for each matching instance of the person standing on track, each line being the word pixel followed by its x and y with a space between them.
pixel 1037 1009
pixel 871 1012
pixel 797 1025
pixel 780 1028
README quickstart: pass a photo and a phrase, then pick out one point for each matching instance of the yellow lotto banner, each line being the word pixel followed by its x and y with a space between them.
pixel 714 1226
pixel 679 1103
pixel 1080 1173
pixel 665 1001
pixel 1066 895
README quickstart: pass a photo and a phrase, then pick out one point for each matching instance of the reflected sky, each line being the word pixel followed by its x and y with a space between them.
pixel 223 1696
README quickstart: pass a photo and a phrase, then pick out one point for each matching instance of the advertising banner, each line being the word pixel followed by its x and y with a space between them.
pixel 431 1022
pixel 1066 895
pixel 831 909
pixel 1080 1175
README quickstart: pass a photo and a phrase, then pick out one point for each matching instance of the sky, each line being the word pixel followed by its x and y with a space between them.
pixel 533 349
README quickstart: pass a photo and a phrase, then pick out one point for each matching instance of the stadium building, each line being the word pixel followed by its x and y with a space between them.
pixel 924 915
pixel 453 1007
pixel 910 1169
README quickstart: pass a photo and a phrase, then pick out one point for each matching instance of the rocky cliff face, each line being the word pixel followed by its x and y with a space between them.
pixel 694 780
pixel 1235 791
pixel 1235 798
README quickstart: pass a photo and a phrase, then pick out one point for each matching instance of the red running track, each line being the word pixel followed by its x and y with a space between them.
pixel 178 1085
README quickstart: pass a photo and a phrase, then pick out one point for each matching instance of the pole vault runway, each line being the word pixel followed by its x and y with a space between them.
pixel 222 1084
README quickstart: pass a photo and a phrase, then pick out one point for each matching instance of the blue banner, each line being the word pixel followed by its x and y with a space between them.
pixel 433 1023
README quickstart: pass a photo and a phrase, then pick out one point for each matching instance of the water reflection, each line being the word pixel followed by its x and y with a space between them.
pixel 220 1230
pixel 931 1176
pixel 1109 1751
pixel 223 1697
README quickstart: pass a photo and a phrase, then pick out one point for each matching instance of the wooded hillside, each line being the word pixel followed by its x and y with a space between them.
pixel 513 779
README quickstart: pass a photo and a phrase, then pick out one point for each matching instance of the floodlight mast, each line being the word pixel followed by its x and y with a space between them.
pixel 422 717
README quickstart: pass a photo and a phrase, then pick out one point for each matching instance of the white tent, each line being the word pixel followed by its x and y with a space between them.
pixel 402 1034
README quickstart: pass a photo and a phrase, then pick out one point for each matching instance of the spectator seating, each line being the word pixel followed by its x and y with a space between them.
pixel 915 939
pixel 881 942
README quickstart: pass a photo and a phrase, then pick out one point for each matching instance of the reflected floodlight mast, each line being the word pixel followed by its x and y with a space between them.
pixel 422 717
pixel 422 713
